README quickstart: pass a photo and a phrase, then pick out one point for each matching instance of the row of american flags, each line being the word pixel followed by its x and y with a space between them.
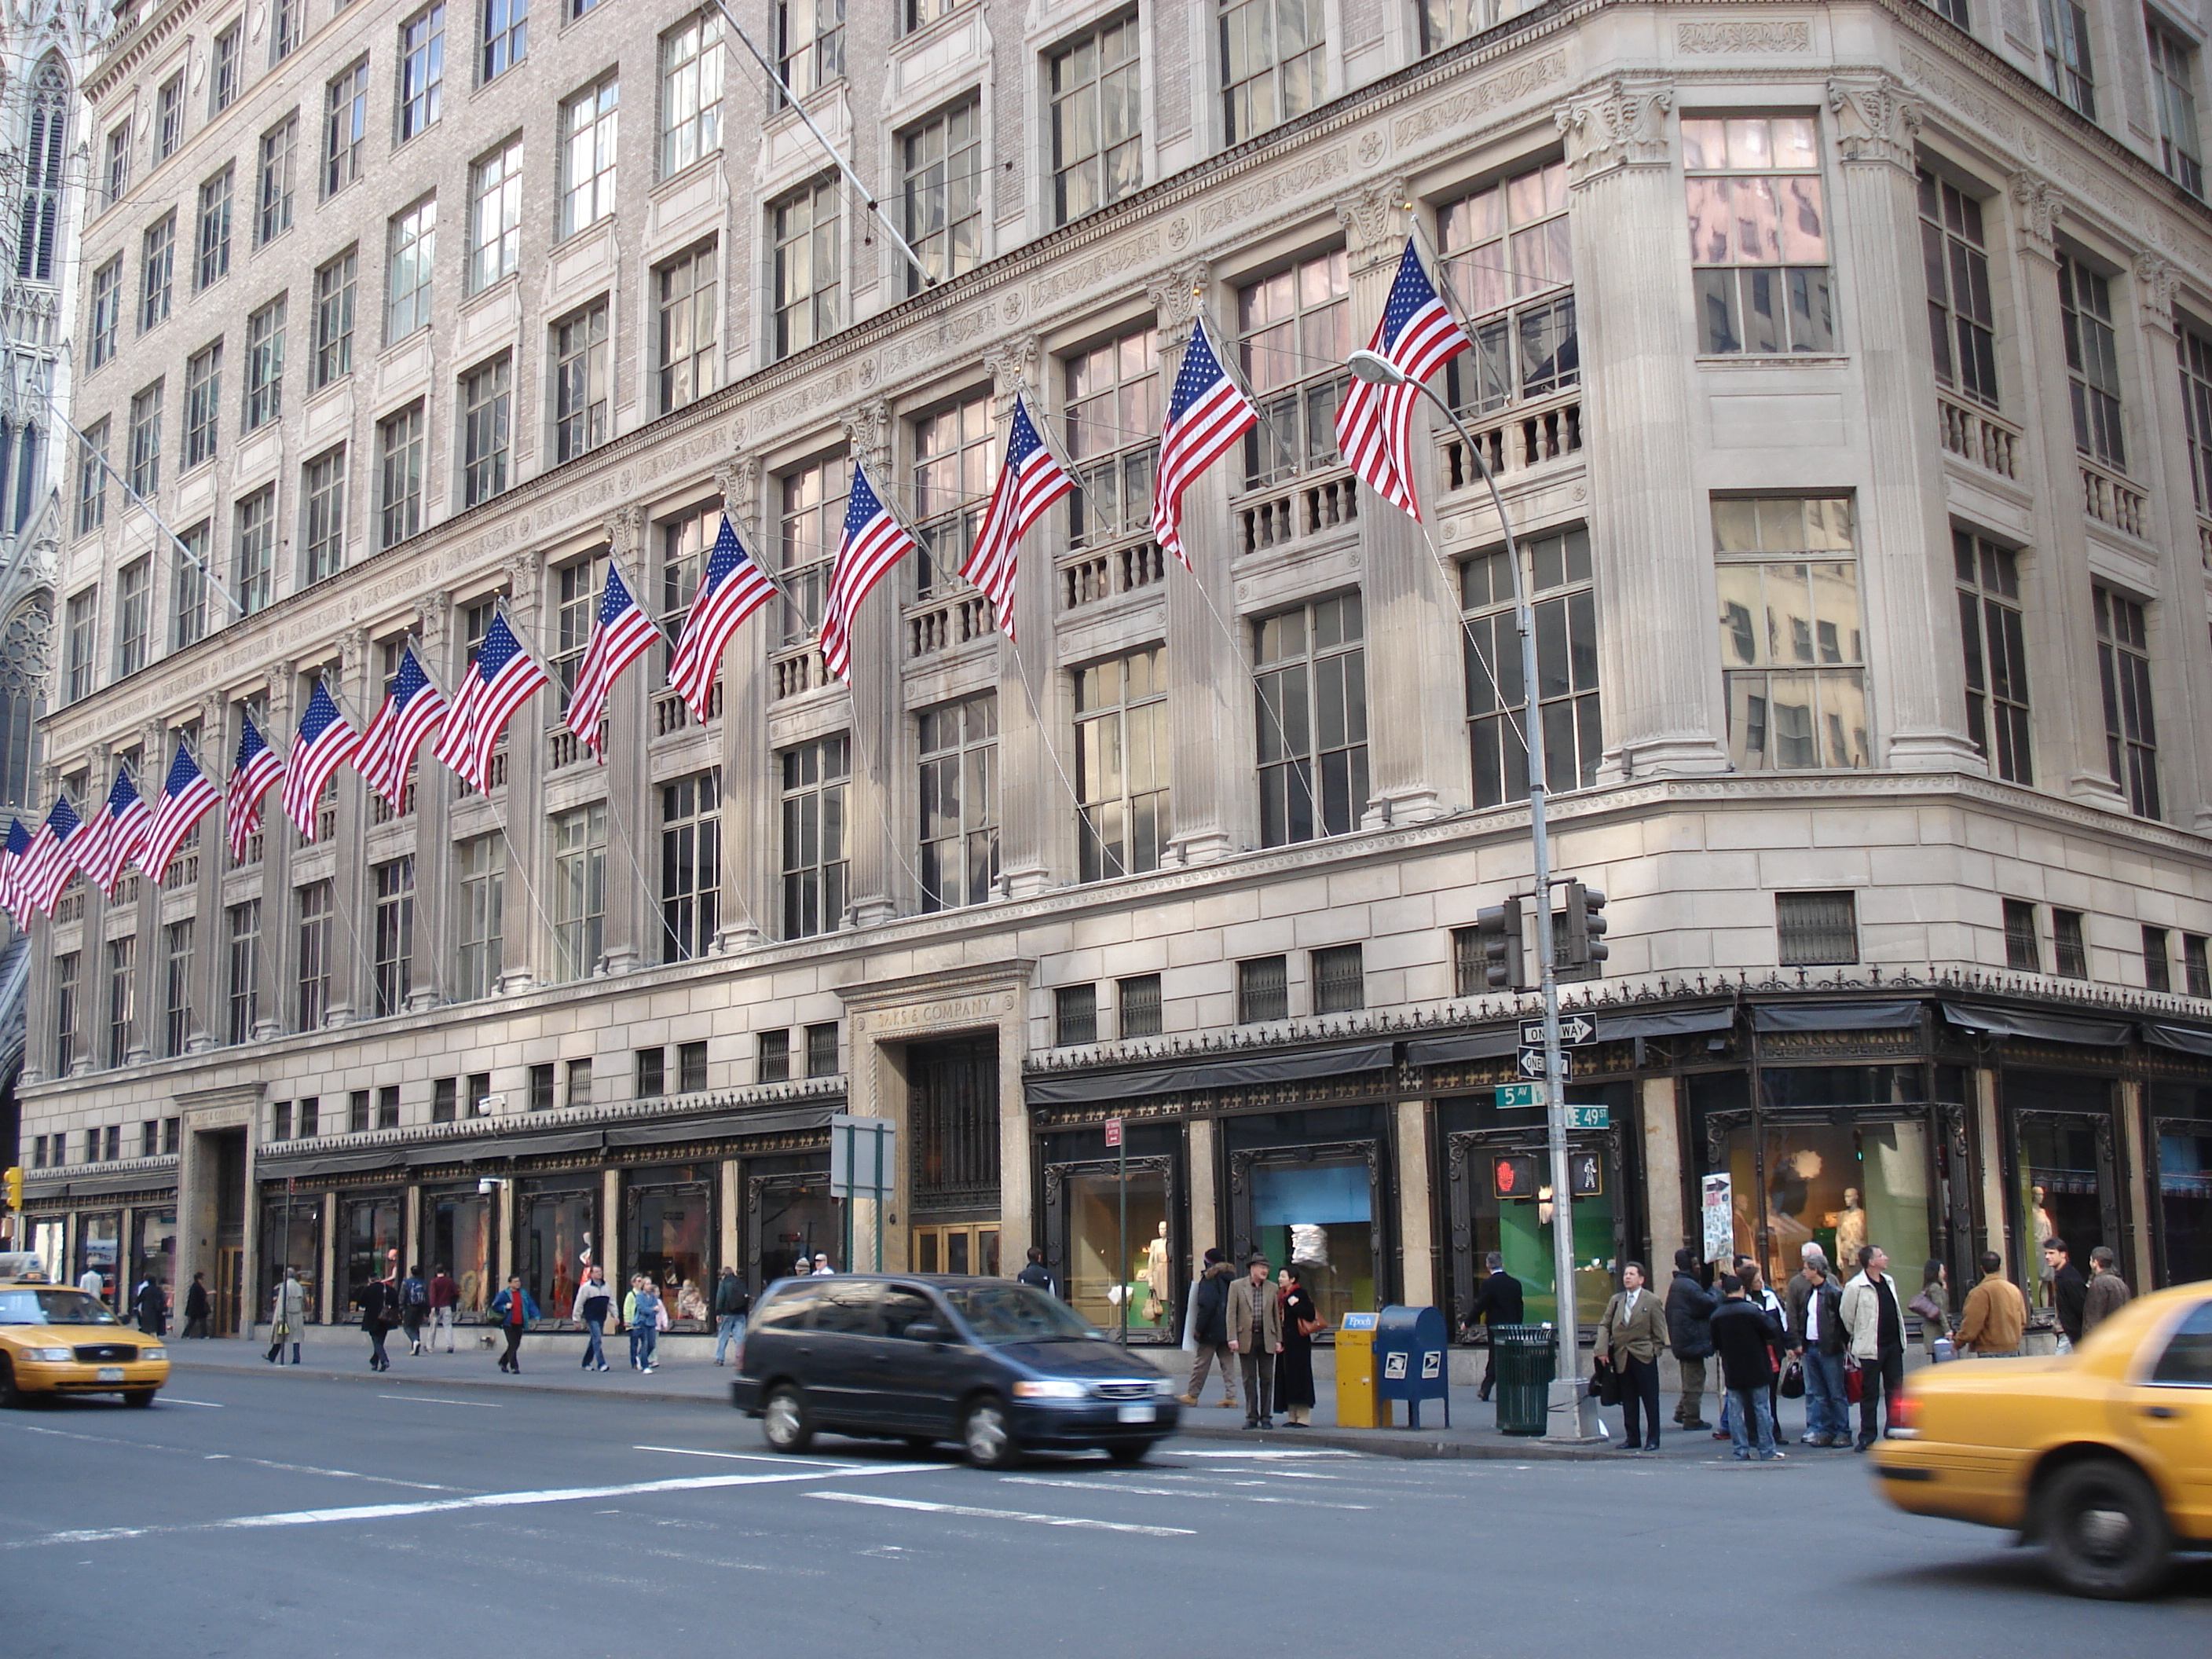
pixel 1207 412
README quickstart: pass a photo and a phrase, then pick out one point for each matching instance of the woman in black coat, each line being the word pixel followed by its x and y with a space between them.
pixel 1294 1378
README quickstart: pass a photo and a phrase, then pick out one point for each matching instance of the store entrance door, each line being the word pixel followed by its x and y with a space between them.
pixel 1501 1202
pixel 957 1248
pixel 229 1288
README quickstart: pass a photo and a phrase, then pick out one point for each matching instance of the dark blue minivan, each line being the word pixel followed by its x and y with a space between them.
pixel 997 1365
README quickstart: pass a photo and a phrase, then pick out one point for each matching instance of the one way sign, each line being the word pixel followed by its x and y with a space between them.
pixel 1575 1030
pixel 1532 1063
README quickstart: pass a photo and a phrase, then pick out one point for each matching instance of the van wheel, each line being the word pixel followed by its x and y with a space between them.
pixel 139 1397
pixel 10 1395
pixel 784 1421
pixel 988 1441
pixel 2104 1530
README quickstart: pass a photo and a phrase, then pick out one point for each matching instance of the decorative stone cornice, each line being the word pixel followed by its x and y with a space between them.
pixel 867 427
pixel 1622 125
pixel 2040 202
pixel 433 615
pixel 738 479
pixel 625 531
pixel 2157 283
pixel 1176 299
pixel 1876 119
pixel 1372 216
pixel 1012 367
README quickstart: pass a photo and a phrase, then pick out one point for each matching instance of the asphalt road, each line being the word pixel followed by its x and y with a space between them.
pixel 278 1515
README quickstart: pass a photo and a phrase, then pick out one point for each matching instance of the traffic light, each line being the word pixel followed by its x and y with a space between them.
pixel 15 1188
pixel 1586 945
pixel 1498 929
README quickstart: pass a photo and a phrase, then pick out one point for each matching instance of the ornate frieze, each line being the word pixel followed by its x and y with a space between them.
pixel 1622 125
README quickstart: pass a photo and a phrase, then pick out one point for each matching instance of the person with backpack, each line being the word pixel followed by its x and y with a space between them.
pixel 414 1303
pixel 1034 1273
pixel 595 1304
pixel 732 1302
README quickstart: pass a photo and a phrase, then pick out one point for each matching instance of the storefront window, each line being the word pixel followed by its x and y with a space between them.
pixel 371 1228
pixel 1105 1269
pixel 2185 1197
pixel 1839 1186
pixel 154 1247
pixel 558 1226
pixel 1321 1215
pixel 792 1218
pixel 97 1236
pixel 2063 1185
pixel 670 1240
pixel 1509 1198
pixel 460 1243
pixel 291 1236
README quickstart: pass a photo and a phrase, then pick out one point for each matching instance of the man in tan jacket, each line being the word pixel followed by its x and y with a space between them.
pixel 1631 1336
pixel 1255 1336
pixel 1994 1316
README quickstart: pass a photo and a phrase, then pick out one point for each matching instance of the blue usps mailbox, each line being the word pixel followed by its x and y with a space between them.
pixel 1409 1359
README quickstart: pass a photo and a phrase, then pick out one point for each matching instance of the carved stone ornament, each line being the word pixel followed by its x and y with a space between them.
pixel 1175 299
pixel 868 429
pixel 1875 121
pixel 625 531
pixel 2040 205
pixel 738 479
pixel 353 649
pixel 1623 126
pixel 2157 282
pixel 521 569
pixel 433 613
pixel 1373 217
pixel 1013 364
pixel 284 677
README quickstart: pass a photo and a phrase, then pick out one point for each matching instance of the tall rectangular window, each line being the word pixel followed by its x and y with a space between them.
pixel 941 165
pixel 226 77
pixel 690 91
pixel 1816 929
pixel 91 479
pixel 1075 1015
pixel 774 1061
pixel 1293 329
pixel 1111 409
pixel 683 550
pixel 323 485
pixel 177 987
pixel 83 624
pixel 169 118
pixel 157 271
pixel 2196 963
pixel 822 1049
pixel 690 865
pixel 652 1073
pixel 580 890
pixel 955 450
pixel 242 975
pixel 65 1015
pixel 134 599
pixel 480 870
pixel 1121 765
pixel 122 1001
pixel 117 170
pixel 809 44
pixel 587 155
pixel 445 1092
pixel 188 585
pixel 107 309
pixel 1263 990
pixel 1340 980
pixel 2158 960
pixel 1566 669
pixel 808 520
pixel 316 909
pixel 422 70
pixel 487 418
pixel 214 263
pixel 804 227
pixel 958 744
pixel 279 147
pixel 506 35
pixel 287 27
pixel 1509 262
pixel 399 443
pixel 253 540
pixel 203 401
pixel 410 258
pixel 2123 665
pixel 2196 413
pixel 577 588
pixel 2173 77
pixel 1447 22
pixel 1996 635
pixel 684 297
pixel 1759 235
pixel 1961 314
pixel 2069 950
pixel 394 886
pixel 145 469
pixel 1097 122
pixel 582 387
pixel 2067 70
pixel 1273 63
pixel 345 128
pixel 264 364
pixel 2093 360
pixel 814 851
pixel 1310 682
pixel 334 288
pixel 1792 654
pixel 495 216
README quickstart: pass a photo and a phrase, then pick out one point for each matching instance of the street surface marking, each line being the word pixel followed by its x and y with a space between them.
pixel 1319 1451
pixel 1174 1492
pixel 236 1458
pixel 1004 1515
pixel 212 1405
pixel 747 1457
pixel 433 1400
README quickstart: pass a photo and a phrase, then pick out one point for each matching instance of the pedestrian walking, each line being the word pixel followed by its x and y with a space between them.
pixel 1497 1301
pixel 1294 1375
pixel 1932 1307
pixel 93 1284
pixel 2108 1292
pixel 445 1301
pixel 1746 1333
pixel 1034 1273
pixel 1876 1322
pixel 1994 1318
pixel 645 1316
pixel 822 1268
pixel 288 1312
pixel 732 1302
pixel 1209 1332
pixel 2069 1291
pixel 1256 1337
pixel 152 1306
pixel 1632 1333
pixel 379 1312
pixel 1819 1342
pixel 516 1312
pixel 196 1307
pixel 414 1305
pixel 1689 1333
pixel 595 1305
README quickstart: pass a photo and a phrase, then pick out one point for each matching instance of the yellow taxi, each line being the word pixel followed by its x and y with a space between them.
pixel 55 1340
pixel 2104 1456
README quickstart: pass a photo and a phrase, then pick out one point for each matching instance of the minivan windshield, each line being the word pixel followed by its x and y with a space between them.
pixel 1000 1313
pixel 54 1307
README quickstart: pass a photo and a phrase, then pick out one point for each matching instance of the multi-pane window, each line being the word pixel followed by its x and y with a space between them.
pixel 169 118
pixel 323 525
pixel 213 262
pixel 2173 76
pixel 1111 412
pixel 91 479
pixel 122 1006
pixel 225 77
pixel 2069 948
pixel 495 216
pixel 1294 331
pixel 1273 63
pixel 134 599
pixel 582 382
pixel 399 443
pixel 1816 930
pixel 487 417
pixel 1952 11
pixel 2158 960
pixel 2093 360
pixel 334 287
pixel 690 865
pixel 188 585
pixel 587 155
pixel 107 309
pixel 1310 682
pixel 119 163
pixel 279 157
pixel 202 401
pixel 316 910
pixel 2123 666
pixel 410 255
pixel 157 268
pixel 345 128
pixel 177 987
pixel 65 1015
pixel 287 27
pixel 1961 317
pixel 82 623
pixel 1121 764
pixel 394 940
pixel 958 746
pixel 576 590
pixel 2196 963
pixel 808 521
pixel 1510 264
pixel 480 870
pixel 253 546
pixel 2067 70
pixel 145 469
pixel 1792 651
pixel 690 91
pixel 954 450
pixel 264 364
pixel 2196 412
pixel 580 890
pixel 809 44
pixel 1340 980
pixel 1447 22
pixel 685 291
pixel 1075 1015
pixel 45 160
pixel 1263 990
pixel 684 544
pixel 941 164
pixel 814 852
pixel 804 227
pixel 506 35
pixel 1566 669
pixel 422 70
pixel 1996 635
pixel 1758 235
pixel 242 977
pixel 1097 135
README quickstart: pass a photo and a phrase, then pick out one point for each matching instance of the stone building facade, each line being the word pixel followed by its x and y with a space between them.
pixel 1848 390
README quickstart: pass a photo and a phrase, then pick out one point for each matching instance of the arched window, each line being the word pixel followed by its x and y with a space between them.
pixel 23 646
pixel 26 478
pixel 47 144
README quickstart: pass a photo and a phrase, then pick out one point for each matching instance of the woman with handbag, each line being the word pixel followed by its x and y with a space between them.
pixel 1631 1336
pixel 1932 1307
pixel 1294 1376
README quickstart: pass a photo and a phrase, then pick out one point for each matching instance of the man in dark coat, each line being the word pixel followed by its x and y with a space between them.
pixel 196 1307
pixel 1209 1332
pixel 153 1306
pixel 1497 1301
pixel 379 1312
pixel 1747 1334
pixel 2069 1291
pixel 1689 1333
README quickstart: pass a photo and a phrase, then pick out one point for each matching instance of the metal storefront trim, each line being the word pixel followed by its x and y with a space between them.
pixel 1683 1022
pixel 2046 1028
pixel 330 1164
pixel 484 1151
pixel 1258 1068
pixel 137 1181
pixel 1835 1016
pixel 728 1126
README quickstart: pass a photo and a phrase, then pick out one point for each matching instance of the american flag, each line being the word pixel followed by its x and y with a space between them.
pixel 324 742
pixel 502 679
pixel 411 711
pixel 1374 424
pixel 12 854
pixel 1032 480
pixel 252 769
pixel 185 799
pixel 621 634
pixel 732 588
pixel 116 835
pixel 1205 414
pixel 53 858
pixel 874 540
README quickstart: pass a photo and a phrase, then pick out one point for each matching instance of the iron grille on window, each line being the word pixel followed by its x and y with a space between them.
pixel 822 1050
pixel 775 1056
pixel 1075 1015
pixel 2197 964
pixel 1816 929
pixel 953 1106
pixel 2023 946
pixel 1339 980
pixel 1138 999
pixel 2071 950
pixel 1263 990
pixel 2158 960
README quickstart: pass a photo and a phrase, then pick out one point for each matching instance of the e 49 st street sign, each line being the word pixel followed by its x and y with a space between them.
pixel 1525 1096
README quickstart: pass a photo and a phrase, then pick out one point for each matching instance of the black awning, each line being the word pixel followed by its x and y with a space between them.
pixel 90 1185
pixel 330 1164
pixel 1835 1016
pixel 723 1126
pixel 1672 1021
pixel 1466 1045
pixel 2178 1038
pixel 2046 1028
pixel 485 1151
pixel 1242 1072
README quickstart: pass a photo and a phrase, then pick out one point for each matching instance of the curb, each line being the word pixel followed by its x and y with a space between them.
pixel 503 1385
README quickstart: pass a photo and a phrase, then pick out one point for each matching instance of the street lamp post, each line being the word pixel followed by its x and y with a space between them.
pixel 1571 1417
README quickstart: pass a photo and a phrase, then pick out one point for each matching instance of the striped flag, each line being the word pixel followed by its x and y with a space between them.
pixel 116 835
pixel 185 798
pixel 325 740
pixel 1206 413
pixel 53 858
pixel 252 769
pixel 621 634
pixel 12 854
pixel 502 679
pixel 873 541
pixel 1374 424
pixel 412 709
pixel 1032 480
pixel 732 588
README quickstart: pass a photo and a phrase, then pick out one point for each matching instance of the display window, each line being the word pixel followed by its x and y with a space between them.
pixel 99 1237
pixel 2185 1200
pixel 790 1217
pixel 291 1236
pixel 1501 1203
pixel 460 1228
pixel 154 1247
pixel 671 1232
pixel 1316 1206
pixel 557 1225
pixel 2064 1184
pixel 1105 1266
pixel 370 1231
pixel 1841 1186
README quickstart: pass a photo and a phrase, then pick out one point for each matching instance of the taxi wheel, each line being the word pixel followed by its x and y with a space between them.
pixel 139 1397
pixel 2104 1530
pixel 986 1437
pixel 10 1395
pixel 783 1420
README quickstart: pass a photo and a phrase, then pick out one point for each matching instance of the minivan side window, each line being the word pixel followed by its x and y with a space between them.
pixel 849 1308
pixel 903 1305
pixel 787 1312
pixel 2188 1357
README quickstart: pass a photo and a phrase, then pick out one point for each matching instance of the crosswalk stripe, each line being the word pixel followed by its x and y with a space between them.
pixel 975 1513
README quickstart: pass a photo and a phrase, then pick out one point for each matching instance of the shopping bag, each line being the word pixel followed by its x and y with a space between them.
pixel 1793 1382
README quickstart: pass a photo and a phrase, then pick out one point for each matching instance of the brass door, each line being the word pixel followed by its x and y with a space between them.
pixel 967 1246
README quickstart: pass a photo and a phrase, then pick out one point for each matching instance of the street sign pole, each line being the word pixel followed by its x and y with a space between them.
pixel 878 1140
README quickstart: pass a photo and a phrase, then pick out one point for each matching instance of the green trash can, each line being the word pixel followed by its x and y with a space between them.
pixel 1526 1358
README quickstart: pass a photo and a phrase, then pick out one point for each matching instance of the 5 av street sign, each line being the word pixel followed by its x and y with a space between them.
pixel 1575 1030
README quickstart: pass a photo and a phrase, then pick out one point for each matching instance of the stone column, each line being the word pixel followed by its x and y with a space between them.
pixel 274 968
pixel 876 819
pixel 1418 1285
pixel 1035 803
pixel 435 912
pixel 1662 1167
pixel 1205 1232
pixel 751 819
pixel 631 932
pixel 1651 541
